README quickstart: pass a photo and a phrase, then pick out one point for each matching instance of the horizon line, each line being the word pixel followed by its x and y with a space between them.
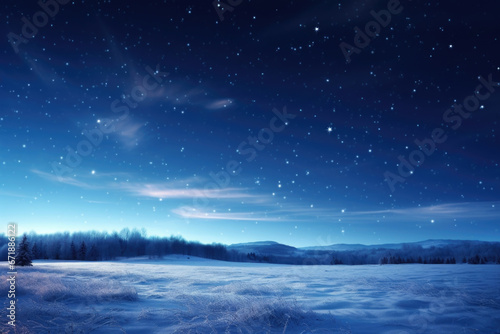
pixel 242 243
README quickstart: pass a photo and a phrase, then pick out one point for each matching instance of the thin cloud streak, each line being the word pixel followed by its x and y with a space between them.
pixel 64 179
pixel 11 194
pixel 99 202
pixel 219 104
pixel 449 210
pixel 173 189
pixel 467 210
pixel 180 189
pixel 128 132
pixel 193 213
pixel 166 191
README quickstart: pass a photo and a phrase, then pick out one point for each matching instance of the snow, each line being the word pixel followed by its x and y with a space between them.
pixel 265 248
pixel 181 295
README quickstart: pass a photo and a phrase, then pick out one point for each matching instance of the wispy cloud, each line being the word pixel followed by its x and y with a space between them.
pixel 450 210
pixel 461 210
pixel 128 132
pixel 64 179
pixel 193 188
pixel 466 210
pixel 180 188
pixel 165 190
pixel 99 202
pixel 100 174
pixel 12 194
pixel 194 213
pixel 180 93
pixel 219 104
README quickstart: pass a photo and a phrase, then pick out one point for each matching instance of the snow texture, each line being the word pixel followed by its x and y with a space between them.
pixel 192 295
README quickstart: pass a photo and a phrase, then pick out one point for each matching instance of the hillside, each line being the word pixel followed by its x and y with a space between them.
pixel 433 251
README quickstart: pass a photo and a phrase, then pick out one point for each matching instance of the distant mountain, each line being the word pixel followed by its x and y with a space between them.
pixel 256 243
pixel 424 244
pixel 434 251
pixel 274 248
pixel 264 248
pixel 350 247
pixel 445 242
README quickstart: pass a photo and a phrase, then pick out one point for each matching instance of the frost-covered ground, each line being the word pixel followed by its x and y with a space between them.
pixel 180 295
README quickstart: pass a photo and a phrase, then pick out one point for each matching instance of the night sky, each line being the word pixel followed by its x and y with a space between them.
pixel 261 120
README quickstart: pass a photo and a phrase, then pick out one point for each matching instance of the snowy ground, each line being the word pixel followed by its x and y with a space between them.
pixel 180 295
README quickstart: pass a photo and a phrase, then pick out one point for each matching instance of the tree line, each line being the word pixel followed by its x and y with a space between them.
pixel 102 246
pixel 471 252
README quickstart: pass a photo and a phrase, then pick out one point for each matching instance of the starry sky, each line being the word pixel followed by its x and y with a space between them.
pixel 304 122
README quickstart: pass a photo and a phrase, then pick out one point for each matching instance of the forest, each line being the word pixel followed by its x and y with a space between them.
pixel 103 246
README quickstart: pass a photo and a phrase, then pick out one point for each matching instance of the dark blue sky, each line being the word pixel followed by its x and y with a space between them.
pixel 160 115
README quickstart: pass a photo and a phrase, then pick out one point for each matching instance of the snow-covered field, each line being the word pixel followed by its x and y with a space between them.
pixel 181 295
